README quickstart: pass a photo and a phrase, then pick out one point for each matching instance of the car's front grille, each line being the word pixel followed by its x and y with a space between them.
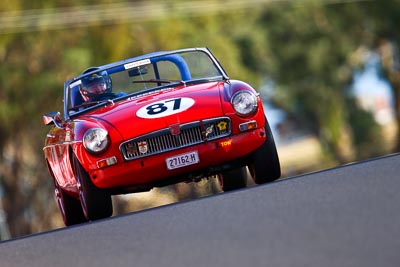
pixel 176 137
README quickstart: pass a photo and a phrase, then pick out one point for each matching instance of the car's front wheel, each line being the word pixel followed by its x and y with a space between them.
pixel 265 166
pixel 70 207
pixel 233 179
pixel 96 203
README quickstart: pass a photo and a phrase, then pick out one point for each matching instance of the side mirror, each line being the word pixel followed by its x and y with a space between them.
pixel 53 117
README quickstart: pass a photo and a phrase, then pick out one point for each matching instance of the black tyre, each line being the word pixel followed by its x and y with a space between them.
pixel 265 165
pixel 70 207
pixel 233 179
pixel 96 203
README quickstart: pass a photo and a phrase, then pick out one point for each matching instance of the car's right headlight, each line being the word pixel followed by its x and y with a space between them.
pixel 244 102
pixel 95 140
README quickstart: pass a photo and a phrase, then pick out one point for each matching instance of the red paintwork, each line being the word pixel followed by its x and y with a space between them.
pixel 154 168
pixel 119 119
pixel 122 115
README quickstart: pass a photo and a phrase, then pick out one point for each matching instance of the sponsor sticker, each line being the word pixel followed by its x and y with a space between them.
pixel 143 148
pixel 137 64
pixel 209 130
pixel 222 125
pixel 226 145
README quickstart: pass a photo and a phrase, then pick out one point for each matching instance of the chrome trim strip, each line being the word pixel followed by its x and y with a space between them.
pixel 61 144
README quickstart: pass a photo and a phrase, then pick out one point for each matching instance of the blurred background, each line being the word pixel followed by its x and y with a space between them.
pixel 328 72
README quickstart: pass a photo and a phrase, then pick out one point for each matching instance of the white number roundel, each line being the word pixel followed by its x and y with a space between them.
pixel 165 108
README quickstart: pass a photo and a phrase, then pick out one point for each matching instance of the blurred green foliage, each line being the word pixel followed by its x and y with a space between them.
pixel 309 49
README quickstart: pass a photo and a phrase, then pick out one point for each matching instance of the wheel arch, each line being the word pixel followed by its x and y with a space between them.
pixel 50 171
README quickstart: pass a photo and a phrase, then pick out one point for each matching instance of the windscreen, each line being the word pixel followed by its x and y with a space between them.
pixel 144 75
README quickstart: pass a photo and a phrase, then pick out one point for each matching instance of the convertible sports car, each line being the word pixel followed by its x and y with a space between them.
pixel 152 121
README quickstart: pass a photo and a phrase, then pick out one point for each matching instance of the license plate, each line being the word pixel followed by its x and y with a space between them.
pixel 182 160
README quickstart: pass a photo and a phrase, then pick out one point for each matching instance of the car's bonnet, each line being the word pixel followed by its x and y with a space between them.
pixel 146 114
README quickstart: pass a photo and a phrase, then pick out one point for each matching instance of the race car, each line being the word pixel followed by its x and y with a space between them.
pixel 152 121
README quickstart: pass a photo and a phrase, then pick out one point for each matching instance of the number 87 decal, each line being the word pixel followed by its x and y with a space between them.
pixel 165 107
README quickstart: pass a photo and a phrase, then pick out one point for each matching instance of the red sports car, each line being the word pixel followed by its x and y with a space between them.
pixel 152 121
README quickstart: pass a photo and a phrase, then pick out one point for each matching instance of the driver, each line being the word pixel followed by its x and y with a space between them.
pixel 96 87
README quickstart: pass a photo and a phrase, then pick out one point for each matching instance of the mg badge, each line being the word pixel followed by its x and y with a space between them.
pixel 175 129
pixel 143 148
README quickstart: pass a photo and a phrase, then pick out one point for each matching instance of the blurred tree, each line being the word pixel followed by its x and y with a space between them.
pixel 384 38
pixel 29 83
pixel 309 47
pixel 32 71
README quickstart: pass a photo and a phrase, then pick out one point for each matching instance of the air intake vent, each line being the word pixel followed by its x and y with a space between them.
pixel 189 134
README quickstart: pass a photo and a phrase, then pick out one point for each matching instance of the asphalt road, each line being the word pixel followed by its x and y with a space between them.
pixel 346 216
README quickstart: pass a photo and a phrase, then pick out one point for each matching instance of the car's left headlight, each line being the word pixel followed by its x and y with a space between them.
pixel 95 140
pixel 244 102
